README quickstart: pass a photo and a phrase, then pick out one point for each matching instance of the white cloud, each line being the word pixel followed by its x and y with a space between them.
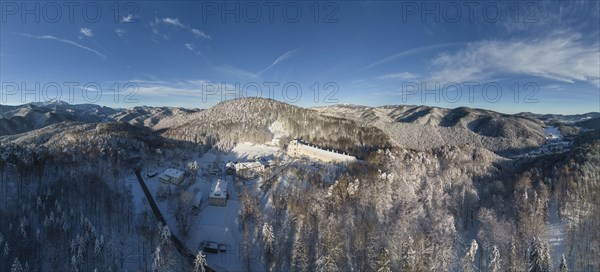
pixel 400 76
pixel 173 22
pixel 155 26
pixel 200 33
pixel 49 37
pixel 86 31
pixel 280 59
pixel 552 87
pixel 120 32
pixel 189 46
pixel 128 18
pixel 560 56
pixel 407 53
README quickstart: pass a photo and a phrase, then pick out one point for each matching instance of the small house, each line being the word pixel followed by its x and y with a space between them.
pixel 151 173
pixel 172 176
pixel 210 247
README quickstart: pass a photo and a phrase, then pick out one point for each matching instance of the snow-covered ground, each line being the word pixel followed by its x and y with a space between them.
pixel 278 131
pixel 552 133
pixel 213 223
pixel 250 151
pixel 555 142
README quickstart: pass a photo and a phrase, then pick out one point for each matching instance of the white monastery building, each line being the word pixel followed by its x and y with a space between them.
pixel 296 148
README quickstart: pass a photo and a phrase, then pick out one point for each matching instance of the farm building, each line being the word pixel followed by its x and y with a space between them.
pixel 297 148
pixel 218 193
pixel 171 175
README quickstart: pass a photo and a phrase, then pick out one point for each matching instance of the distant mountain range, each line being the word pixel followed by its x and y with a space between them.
pixel 26 117
pixel 337 126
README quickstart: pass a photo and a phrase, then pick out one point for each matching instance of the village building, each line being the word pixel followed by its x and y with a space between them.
pixel 151 173
pixel 296 148
pixel 172 176
pixel 218 193
pixel 230 168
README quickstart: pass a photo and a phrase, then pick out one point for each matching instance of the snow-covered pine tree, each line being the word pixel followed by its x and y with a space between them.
pixel 200 262
pixel 469 258
pixel 539 258
pixel 546 255
pixel 513 257
pixel 16 266
pixel 156 258
pixel 98 245
pixel 6 250
pixel 384 261
pixel 494 264
pixel 165 234
pixel 326 263
pixel 267 235
pixel 407 258
pixel 562 267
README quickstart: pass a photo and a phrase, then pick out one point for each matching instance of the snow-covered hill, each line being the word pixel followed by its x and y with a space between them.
pixel 423 127
pixel 23 118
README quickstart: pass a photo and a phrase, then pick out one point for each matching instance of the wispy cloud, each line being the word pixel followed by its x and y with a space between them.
pixel 129 18
pixel 69 42
pixel 560 56
pixel 234 72
pixel 155 26
pixel 189 46
pixel 406 53
pixel 238 73
pixel 200 34
pixel 120 32
pixel 400 76
pixel 86 31
pixel 173 22
pixel 280 59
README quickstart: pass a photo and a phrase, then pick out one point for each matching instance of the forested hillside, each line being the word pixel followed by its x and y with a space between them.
pixel 432 190
pixel 249 119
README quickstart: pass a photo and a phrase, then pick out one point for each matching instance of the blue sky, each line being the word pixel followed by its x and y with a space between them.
pixel 194 54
